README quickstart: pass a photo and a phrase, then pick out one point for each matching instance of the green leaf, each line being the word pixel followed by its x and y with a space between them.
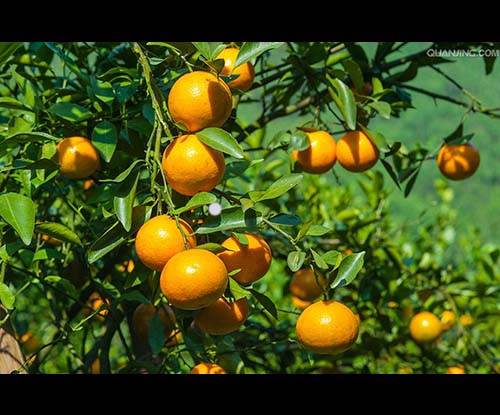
pixel 295 260
pixel 354 71
pixel 383 108
pixel 221 140
pixel 489 63
pixel 320 262
pixel 286 219
pixel 333 258
pixel 125 90
pixel 75 68
pixel 241 238
pixel 212 247
pixel 377 86
pixel 104 138
pixel 70 112
pixel 135 296
pixel 116 235
pixel 27 89
pixel 303 230
pixel 124 174
pixel 123 200
pixel 378 138
pixel 209 50
pixel 279 187
pixel 199 199
pixel 6 50
pixel 411 182
pixel 237 290
pixel 19 212
pixel 156 336
pixel 391 172
pixel 102 90
pixel 265 302
pixel 12 103
pixel 62 284
pixel 344 99
pixel 23 138
pixel 251 50
pixel 299 141
pixel 6 297
pixel 58 231
pixel 349 269
pixel 49 253
pixel 317 230
pixel 383 49
pixel 41 164
pixel 230 218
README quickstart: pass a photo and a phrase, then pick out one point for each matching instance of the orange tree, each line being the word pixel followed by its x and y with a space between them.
pixel 99 139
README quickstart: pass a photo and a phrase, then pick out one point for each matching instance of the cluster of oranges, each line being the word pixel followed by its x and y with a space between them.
pixel 196 279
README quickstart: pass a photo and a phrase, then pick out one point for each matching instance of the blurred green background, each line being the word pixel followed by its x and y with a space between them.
pixel 477 199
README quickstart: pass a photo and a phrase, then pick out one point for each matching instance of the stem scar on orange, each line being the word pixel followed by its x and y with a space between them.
pixel 159 239
pixel 190 166
pixel 356 152
pixel 245 72
pixel 253 260
pixel 458 161
pixel 77 157
pixel 193 279
pixel 199 100
pixel 327 327
pixel 321 154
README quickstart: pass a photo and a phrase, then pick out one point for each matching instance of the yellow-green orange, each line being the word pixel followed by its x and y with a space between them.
pixel 425 327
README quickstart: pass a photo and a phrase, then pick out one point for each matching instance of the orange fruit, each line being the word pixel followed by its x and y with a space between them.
pixel 159 239
pixel 425 327
pixel 95 367
pixel 87 184
pixel 222 317
pixel 30 342
pixel 297 302
pixel 392 304
pixel 347 251
pixel 95 302
pixel 51 240
pixel 246 71
pixel 143 315
pixel 458 161
pixel 191 166
pixel 447 319
pixel 305 286
pixel 405 370
pixel 207 369
pixel 77 157
pixel 327 327
pixel 455 370
pixel 320 156
pixel 356 152
pixel 193 279
pixel 127 265
pixel 466 320
pixel 253 259
pixel 199 100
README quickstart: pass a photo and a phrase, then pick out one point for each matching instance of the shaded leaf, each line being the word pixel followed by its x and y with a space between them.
pixel 49 253
pixel 19 212
pixel 104 138
pixel 123 201
pixel 320 262
pixel 199 199
pixel 230 218
pixel 237 290
pixel 286 219
pixel 354 71
pixel 344 99
pixel 251 50
pixel 333 258
pixel 70 112
pixel 156 337
pixel 265 302
pixel 58 231
pixel 212 247
pixel 124 174
pixel 7 49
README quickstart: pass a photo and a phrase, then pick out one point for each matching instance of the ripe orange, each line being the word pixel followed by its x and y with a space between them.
pixel 320 156
pixel 51 240
pixel 31 343
pixel 143 315
pixel 207 369
pixel 127 265
pixel 200 100
pixel 392 304
pixel 77 157
pixel 191 166
pixel 447 319
pixel 466 320
pixel 297 302
pixel 246 71
pixel 159 239
pixel 222 317
pixel 193 279
pixel 458 161
pixel 253 259
pixel 425 327
pixel 405 370
pixel 95 302
pixel 356 152
pixel 95 367
pixel 87 184
pixel 305 286
pixel 327 327
pixel 455 370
